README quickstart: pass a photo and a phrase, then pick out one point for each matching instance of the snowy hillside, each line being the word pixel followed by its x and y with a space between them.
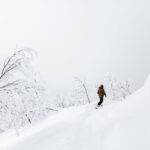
pixel 121 125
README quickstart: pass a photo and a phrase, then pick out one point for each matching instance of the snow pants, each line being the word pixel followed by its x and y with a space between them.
pixel 101 101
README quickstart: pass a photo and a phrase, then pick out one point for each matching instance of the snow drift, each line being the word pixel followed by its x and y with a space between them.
pixel 121 125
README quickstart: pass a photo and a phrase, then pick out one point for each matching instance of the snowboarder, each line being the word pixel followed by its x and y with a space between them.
pixel 101 93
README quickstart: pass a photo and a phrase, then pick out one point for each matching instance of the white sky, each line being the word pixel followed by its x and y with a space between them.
pixel 84 38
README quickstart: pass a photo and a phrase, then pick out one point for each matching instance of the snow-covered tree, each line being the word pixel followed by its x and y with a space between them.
pixel 22 97
pixel 117 90
pixel 80 94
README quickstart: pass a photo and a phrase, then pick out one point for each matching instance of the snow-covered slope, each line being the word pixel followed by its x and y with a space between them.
pixel 123 125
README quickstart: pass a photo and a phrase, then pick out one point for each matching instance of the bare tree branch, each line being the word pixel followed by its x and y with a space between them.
pixel 29 120
pixel 14 62
pixel 83 85
pixel 10 84
pixel 51 109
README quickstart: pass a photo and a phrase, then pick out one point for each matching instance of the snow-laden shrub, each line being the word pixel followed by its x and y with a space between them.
pixel 21 104
pixel 117 90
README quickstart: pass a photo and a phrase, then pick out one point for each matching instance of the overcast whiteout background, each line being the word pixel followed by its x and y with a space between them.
pixel 83 38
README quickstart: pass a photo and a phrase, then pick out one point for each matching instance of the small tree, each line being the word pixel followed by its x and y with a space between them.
pixel 82 89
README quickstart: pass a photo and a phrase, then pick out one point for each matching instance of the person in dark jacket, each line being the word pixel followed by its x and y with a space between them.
pixel 101 92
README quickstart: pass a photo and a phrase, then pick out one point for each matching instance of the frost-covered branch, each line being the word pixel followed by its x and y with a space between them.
pixel 11 84
pixel 82 85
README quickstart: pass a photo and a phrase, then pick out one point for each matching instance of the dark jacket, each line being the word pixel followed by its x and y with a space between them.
pixel 101 92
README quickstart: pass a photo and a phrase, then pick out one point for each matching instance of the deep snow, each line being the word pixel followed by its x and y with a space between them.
pixel 123 125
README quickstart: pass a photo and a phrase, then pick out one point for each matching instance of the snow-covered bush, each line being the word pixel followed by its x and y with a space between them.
pixel 117 90
pixel 60 102
pixel 65 101
pixel 20 104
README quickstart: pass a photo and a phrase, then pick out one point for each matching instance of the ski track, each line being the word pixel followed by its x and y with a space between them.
pixel 68 134
pixel 85 135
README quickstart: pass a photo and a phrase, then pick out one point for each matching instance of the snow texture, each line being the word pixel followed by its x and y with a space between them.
pixel 1 131
pixel 120 125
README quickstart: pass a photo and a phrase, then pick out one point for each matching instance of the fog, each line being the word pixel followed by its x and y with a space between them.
pixel 80 38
